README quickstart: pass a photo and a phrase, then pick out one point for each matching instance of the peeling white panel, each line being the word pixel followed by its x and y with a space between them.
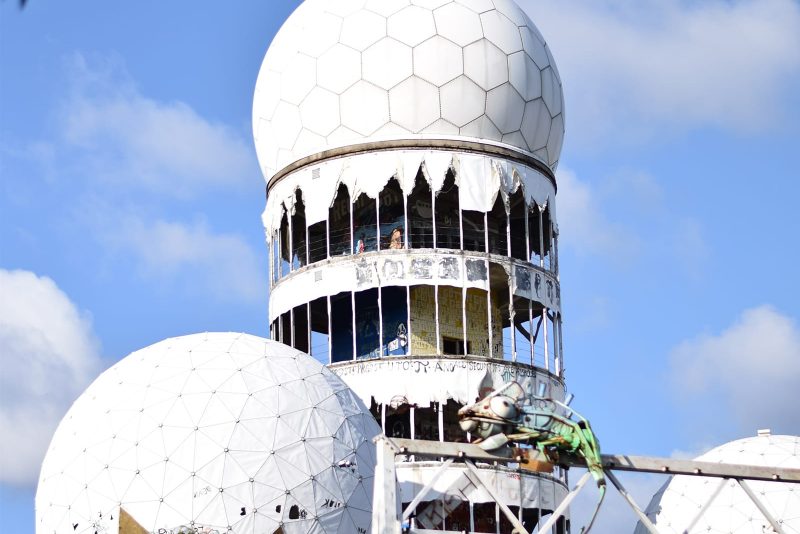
pixel 480 178
pixel 422 381
pixel 370 270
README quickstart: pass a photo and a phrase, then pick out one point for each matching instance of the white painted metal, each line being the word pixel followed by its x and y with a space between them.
pixel 558 512
pixel 178 397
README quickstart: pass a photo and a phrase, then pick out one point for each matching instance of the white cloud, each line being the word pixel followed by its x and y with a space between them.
pixel 752 368
pixel 48 355
pixel 583 224
pixel 186 253
pixel 138 142
pixel 633 69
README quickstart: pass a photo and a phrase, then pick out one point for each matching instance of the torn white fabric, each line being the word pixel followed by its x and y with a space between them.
pixel 422 381
pixel 480 179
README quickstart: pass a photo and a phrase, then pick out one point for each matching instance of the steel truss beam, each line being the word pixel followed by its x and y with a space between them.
pixel 387 516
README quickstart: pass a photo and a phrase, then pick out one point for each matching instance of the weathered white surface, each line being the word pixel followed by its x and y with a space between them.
pixel 480 179
pixel 212 431
pixel 422 381
pixel 675 506
pixel 340 73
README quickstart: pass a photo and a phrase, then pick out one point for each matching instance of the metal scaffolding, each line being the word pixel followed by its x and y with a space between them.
pixel 389 518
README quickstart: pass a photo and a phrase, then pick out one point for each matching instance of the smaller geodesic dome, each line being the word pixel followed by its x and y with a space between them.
pixel 677 508
pixel 211 433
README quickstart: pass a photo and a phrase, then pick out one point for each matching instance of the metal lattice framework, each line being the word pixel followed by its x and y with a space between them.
pixel 388 518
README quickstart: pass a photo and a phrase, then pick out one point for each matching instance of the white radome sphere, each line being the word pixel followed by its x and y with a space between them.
pixel 343 72
pixel 680 500
pixel 211 433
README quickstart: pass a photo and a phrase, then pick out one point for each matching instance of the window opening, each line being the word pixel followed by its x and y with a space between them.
pixel 319 330
pixel 517 222
pixel 448 226
pixel 497 220
pixel 364 225
pixel 318 241
pixel 339 221
pixel 420 214
pixel 342 327
pixel 367 324
pixel 474 230
pixel 300 327
pixel 299 252
pixel 392 214
pixel 395 316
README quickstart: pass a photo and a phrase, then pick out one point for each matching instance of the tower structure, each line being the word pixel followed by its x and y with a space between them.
pixel 410 149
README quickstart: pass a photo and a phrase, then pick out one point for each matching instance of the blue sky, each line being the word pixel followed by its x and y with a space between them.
pixel 131 201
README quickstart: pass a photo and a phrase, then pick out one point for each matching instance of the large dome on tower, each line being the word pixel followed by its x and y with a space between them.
pixel 349 72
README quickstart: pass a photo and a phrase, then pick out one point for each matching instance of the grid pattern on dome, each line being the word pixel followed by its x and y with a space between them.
pixel 346 72
pixel 212 432
pixel 681 499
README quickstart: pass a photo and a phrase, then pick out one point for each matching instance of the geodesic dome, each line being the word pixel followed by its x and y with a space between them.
pixel 676 507
pixel 354 71
pixel 212 433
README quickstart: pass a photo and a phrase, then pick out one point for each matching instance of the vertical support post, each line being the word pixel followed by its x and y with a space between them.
pixel 441 421
pixel 352 230
pixel 508 231
pixel 541 240
pixel 544 333
pixel 308 248
pixel 412 421
pixel 353 316
pixel 308 325
pixel 496 518
pixel 512 314
pixel 433 215
pixel 291 327
pixel 471 517
pixel 464 318
pixel 380 316
pixel 291 241
pixel 486 232
pixel 383 417
pixel 530 329
pixel 385 509
pixel 330 330
pixel 408 319
pixel 405 221
pixel 460 224
pixel 328 241
pixel 378 222
pixel 489 309
pixel 437 328
pixel 527 235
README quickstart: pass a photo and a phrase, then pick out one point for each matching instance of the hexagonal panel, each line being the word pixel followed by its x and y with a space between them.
pixel 390 130
pixel 505 106
pixel 556 138
pixel 438 60
pixel 343 136
pixel 510 9
pixel 551 91
pixel 308 143
pixel 320 32
pixel 441 127
pixel 320 111
pixel 268 94
pixel 536 124
pixel 458 23
pixel 344 8
pixel 462 101
pixel 412 25
pixel 477 6
pixel 288 117
pixel 364 108
pixel 339 68
pixel 501 31
pixel 485 64
pixel 298 80
pixel 482 128
pixel 524 75
pixel 414 104
pixel 387 63
pixel 534 47
pixel 515 139
pixel 362 29
pixel 386 7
